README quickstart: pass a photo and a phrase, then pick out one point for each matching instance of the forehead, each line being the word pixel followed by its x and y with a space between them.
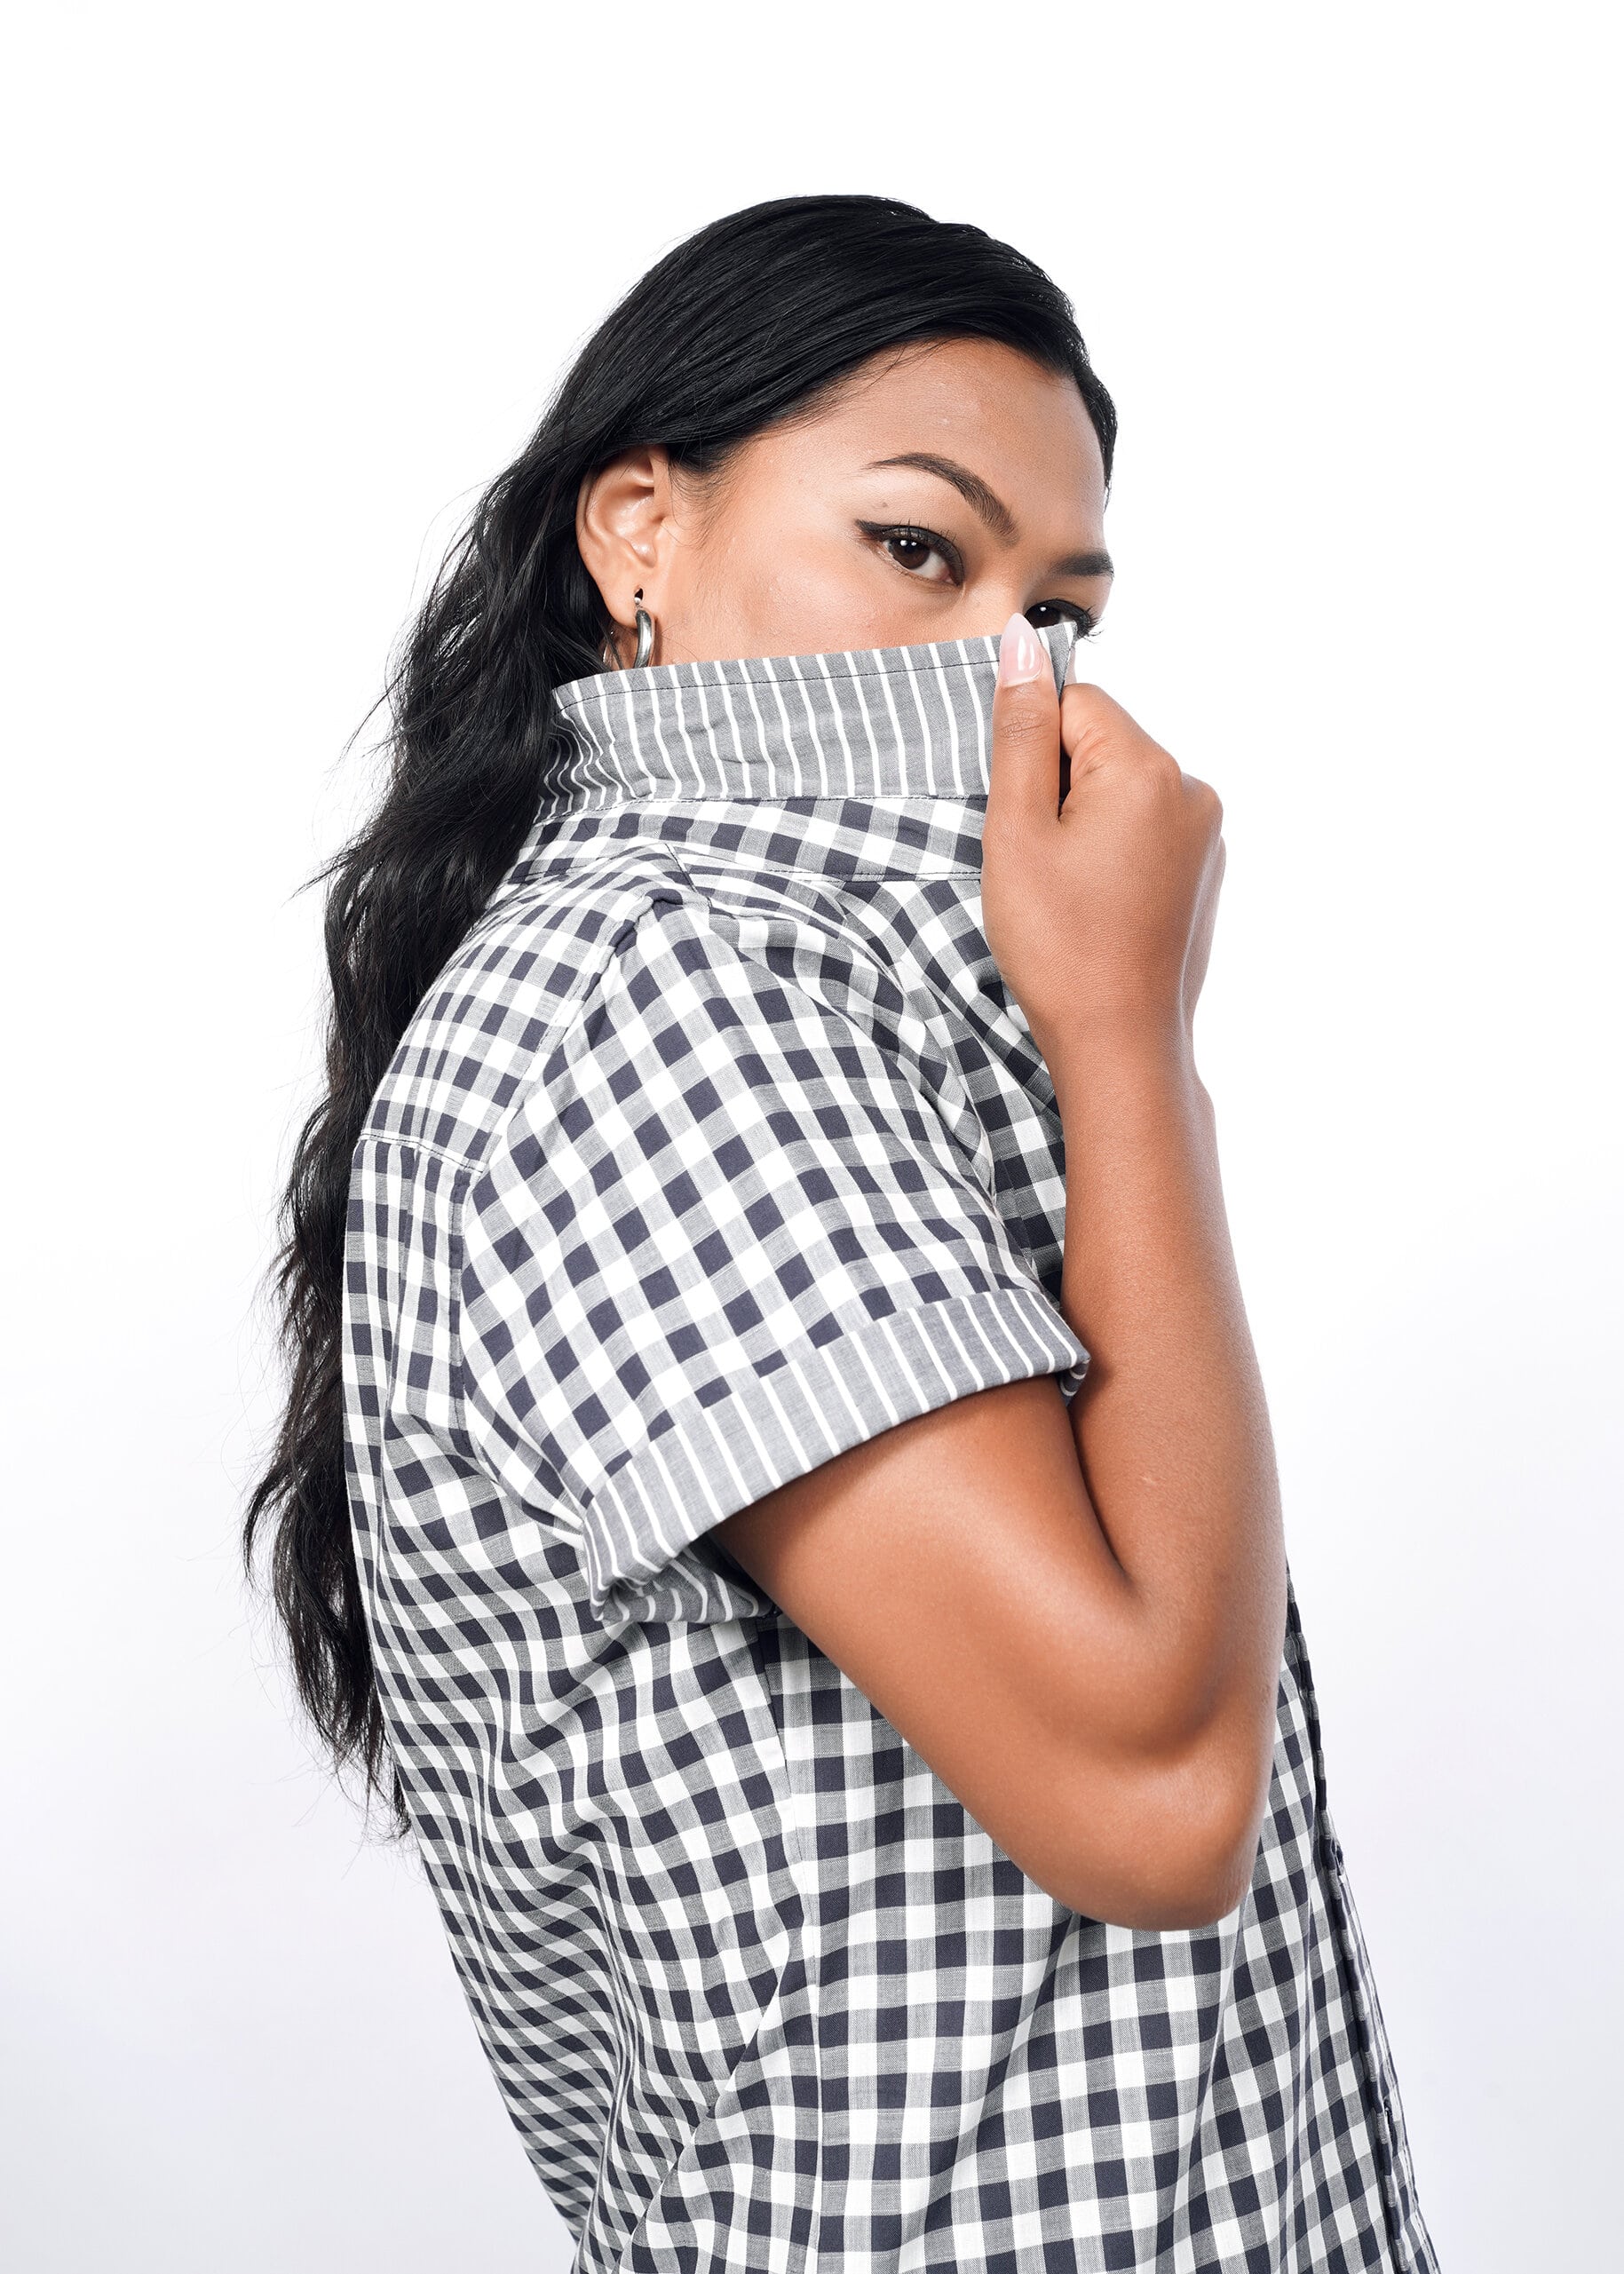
pixel 1025 430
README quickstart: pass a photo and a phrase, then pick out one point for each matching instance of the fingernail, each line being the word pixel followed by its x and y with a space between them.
pixel 1020 654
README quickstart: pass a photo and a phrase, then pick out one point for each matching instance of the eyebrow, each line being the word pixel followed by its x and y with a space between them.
pixel 992 508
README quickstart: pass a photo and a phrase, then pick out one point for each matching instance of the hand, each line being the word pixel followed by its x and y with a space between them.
pixel 1099 912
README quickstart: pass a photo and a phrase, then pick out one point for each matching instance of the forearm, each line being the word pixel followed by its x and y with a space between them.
pixel 1171 1425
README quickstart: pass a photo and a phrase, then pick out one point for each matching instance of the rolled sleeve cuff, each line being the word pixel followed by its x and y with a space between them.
pixel 712 1458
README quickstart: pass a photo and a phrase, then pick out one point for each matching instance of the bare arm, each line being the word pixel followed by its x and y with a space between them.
pixel 1077 1620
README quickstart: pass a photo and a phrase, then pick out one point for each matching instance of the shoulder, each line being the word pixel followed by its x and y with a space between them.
pixel 661 940
pixel 518 981
pixel 696 988
pixel 612 960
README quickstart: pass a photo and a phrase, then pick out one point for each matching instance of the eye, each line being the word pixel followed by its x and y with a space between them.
pixel 914 549
pixel 1048 612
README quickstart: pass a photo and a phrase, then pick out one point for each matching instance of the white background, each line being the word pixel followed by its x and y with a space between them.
pixel 289 286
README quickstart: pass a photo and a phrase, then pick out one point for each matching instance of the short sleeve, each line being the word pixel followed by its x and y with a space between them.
pixel 734 1229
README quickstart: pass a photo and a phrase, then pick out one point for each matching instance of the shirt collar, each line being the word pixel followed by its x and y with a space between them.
pixel 878 722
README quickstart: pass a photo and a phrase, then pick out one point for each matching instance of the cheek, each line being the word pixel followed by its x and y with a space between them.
pixel 769 590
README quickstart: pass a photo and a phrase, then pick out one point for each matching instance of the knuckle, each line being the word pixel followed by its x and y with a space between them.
pixel 1152 765
pixel 1205 804
pixel 1024 721
pixel 1155 775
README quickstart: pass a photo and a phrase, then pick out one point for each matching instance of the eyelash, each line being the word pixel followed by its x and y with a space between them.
pixel 886 532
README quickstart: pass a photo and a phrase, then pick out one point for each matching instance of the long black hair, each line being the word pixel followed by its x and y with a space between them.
pixel 750 319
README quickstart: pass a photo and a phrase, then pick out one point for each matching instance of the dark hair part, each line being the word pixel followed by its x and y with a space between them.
pixel 746 322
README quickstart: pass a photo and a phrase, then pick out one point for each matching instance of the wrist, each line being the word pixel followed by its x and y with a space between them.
pixel 1106 1051
pixel 1130 1088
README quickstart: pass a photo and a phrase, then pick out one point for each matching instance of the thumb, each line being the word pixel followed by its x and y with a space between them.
pixel 1025 784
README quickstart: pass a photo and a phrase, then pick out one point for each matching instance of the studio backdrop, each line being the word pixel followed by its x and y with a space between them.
pixel 287 288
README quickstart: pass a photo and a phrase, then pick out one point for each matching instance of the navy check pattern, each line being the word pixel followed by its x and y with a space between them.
pixel 719 1147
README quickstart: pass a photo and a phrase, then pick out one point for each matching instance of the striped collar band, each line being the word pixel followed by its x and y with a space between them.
pixel 877 722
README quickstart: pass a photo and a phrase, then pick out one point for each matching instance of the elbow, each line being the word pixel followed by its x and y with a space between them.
pixel 1216 1801
pixel 1203 1885
pixel 1183 1843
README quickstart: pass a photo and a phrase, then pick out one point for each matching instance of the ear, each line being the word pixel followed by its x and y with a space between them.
pixel 624 527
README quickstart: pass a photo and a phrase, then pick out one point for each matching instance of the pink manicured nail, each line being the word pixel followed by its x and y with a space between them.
pixel 1020 654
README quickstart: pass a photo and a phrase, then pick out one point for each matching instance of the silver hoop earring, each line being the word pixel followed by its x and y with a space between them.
pixel 645 637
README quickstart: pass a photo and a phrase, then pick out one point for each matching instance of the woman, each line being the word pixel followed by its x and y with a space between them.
pixel 776 1487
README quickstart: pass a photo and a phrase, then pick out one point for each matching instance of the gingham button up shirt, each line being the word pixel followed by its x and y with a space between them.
pixel 719 1146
